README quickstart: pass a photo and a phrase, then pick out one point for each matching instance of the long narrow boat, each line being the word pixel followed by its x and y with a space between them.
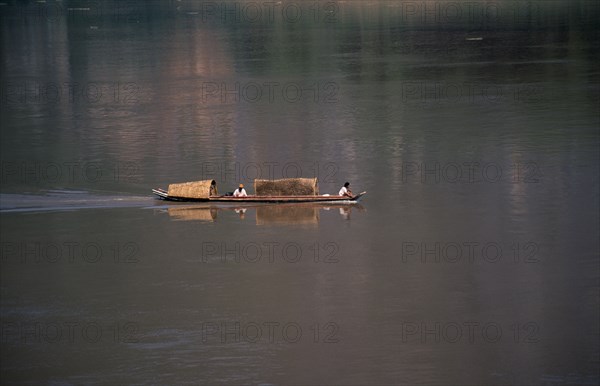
pixel 288 190
pixel 163 194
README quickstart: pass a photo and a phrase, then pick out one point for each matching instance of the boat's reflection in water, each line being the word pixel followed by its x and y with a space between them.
pixel 189 214
pixel 267 214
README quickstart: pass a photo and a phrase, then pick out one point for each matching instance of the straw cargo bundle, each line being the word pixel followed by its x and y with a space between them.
pixel 195 189
pixel 287 187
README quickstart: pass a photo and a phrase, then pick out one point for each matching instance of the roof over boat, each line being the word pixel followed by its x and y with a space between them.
pixel 194 189
pixel 287 187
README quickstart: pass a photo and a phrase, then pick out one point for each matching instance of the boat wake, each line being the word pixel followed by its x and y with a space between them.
pixel 62 200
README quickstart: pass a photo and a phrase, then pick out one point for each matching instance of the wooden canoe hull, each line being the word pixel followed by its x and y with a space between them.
pixel 161 193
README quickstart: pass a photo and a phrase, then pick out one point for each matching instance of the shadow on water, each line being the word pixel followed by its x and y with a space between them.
pixel 266 214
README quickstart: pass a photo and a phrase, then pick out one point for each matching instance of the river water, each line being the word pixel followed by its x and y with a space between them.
pixel 472 259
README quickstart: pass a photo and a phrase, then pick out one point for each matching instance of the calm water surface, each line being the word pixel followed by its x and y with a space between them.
pixel 473 259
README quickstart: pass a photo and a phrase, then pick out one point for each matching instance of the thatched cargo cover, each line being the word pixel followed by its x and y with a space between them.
pixel 195 189
pixel 287 187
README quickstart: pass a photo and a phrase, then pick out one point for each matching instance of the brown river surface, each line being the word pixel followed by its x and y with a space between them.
pixel 473 259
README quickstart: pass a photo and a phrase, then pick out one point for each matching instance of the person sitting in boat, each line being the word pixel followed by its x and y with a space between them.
pixel 240 192
pixel 213 189
pixel 345 191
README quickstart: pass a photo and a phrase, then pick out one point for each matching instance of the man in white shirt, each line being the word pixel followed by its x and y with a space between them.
pixel 344 191
pixel 240 192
